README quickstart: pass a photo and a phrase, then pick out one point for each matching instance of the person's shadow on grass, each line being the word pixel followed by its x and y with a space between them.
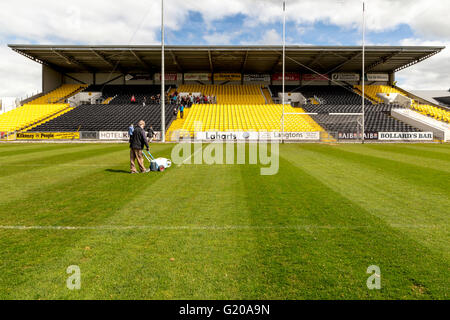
pixel 117 171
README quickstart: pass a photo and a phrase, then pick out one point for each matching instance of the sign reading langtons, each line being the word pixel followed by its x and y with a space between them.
pixel 114 135
pixel 48 136
pixel 406 136
pixel 310 136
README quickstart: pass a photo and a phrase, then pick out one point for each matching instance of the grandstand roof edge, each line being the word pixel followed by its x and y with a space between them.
pixel 216 47
pixel 223 58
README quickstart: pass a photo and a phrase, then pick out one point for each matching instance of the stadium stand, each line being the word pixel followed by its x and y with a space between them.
pixel 59 95
pixel 434 112
pixel 29 114
pixel 116 113
pixel 228 94
pixel 377 118
pixel 431 111
pixel 106 117
pixel 325 94
pixel 246 118
pixel 175 130
pixel 267 95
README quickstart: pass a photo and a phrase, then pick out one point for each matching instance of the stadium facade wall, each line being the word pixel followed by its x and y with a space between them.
pixel 88 78
pixel 51 79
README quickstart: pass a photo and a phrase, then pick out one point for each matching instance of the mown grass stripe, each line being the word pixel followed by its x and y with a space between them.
pixel 391 198
pixel 289 258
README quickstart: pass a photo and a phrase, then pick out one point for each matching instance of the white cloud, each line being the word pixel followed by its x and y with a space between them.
pixel 119 22
pixel 431 74
pixel 218 38
pixel 19 76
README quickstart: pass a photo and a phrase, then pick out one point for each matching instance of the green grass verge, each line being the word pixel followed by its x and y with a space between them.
pixel 225 231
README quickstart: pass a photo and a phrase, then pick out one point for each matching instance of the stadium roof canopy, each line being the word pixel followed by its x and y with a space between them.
pixel 242 59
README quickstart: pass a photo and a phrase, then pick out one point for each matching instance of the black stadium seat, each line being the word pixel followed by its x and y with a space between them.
pixel 337 99
pixel 107 117
pixel 115 116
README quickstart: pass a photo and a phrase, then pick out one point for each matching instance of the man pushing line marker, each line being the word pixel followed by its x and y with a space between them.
pixel 137 142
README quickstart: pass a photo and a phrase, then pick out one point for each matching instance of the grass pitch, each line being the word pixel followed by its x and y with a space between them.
pixel 225 231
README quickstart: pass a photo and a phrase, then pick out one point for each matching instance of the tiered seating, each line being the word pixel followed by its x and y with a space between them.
pixel 246 118
pixel 326 94
pixel 437 113
pixel 174 131
pixel 434 112
pixel 106 117
pixel 229 94
pixel 372 91
pixel 121 94
pixel 27 115
pixel 267 95
pixel 377 118
pixel 55 96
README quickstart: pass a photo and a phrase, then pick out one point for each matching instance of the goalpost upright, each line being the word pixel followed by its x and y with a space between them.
pixel 284 70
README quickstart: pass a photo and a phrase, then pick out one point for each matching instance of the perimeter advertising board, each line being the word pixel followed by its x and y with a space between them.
pixel 48 136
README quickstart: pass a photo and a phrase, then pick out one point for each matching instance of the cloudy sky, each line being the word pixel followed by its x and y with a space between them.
pixel 309 22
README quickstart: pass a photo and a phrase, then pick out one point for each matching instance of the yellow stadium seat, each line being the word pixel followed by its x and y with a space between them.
pixel 434 112
pixel 28 115
pixel 246 117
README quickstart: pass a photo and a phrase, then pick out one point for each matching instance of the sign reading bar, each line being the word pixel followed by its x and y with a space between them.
pixel 288 76
pixel 315 77
pixel 345 76
pixel 227 77
pixel 48 136
pixel 197 76
pixel 406 136
pixel 257 77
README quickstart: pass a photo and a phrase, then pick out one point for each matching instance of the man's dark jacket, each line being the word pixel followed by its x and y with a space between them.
pixel 138 139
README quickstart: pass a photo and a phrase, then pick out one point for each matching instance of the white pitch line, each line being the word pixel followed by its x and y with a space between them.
pixel 190 157
pixel 229 227
pixel 61 165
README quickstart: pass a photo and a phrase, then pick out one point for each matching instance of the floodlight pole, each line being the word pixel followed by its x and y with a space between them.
pixel 163 79
pixel 363 71
pixel 284 70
